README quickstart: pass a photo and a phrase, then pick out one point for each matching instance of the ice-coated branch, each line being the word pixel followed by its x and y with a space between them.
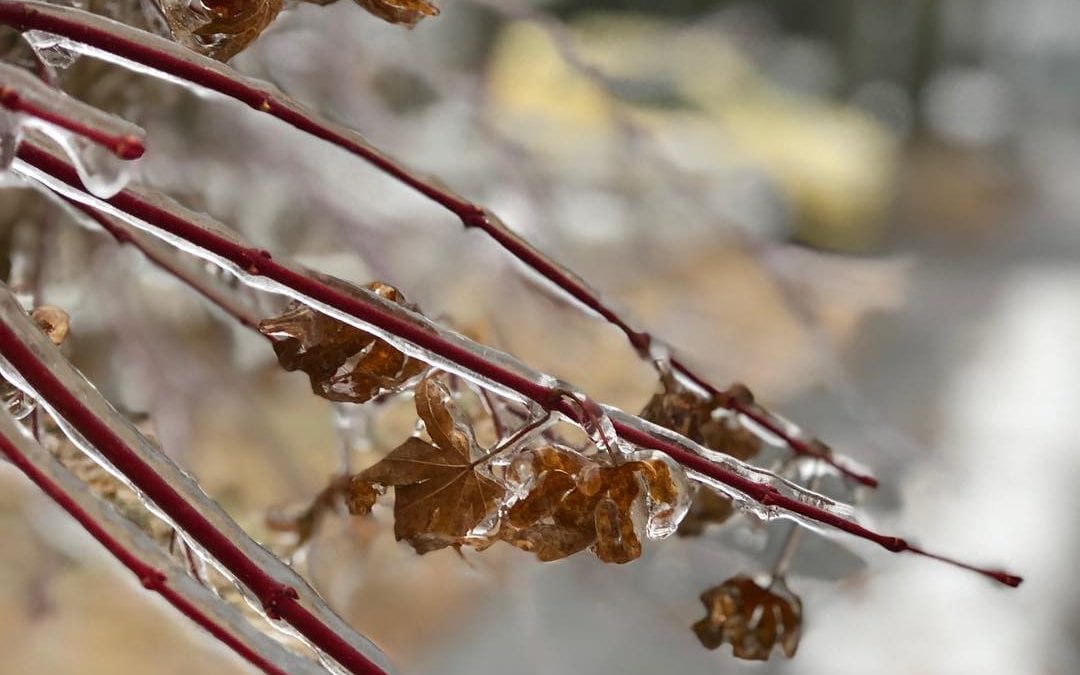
pixel 35 365
pixel 424 339
pixel 167 262
pixel 21 92
pixel 137 552
pixel 108 39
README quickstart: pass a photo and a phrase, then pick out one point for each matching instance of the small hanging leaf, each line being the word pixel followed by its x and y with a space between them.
pixel 405 12
pixel 704 421
pixel 439 497
pixel 750 618
pixel 344 363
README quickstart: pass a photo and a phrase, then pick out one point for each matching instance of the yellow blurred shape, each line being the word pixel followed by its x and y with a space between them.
pixel 834 165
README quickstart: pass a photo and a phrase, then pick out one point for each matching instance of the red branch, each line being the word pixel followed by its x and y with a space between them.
pixel 123 235
pixel 208 73
pixel 278 600
pixel 149 577
pixel 259 262
pixel 124 146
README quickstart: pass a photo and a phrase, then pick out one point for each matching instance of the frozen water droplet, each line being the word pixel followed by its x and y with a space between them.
pixel 102 173
pixel 520 475
pixel 54 50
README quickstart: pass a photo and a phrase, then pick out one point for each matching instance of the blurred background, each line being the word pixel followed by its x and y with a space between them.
pixel 865 211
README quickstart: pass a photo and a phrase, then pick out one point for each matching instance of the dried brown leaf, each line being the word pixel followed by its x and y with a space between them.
pixel 681 410
pixel 53 321
pixel 405 12
pixel 439 496
pixel 342 362
pixel 220 29
pixel 750 618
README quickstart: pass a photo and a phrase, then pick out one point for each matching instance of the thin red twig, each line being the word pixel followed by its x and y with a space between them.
pixel 279 600
pixel 150 577
pixel 123 235
pixel 123 146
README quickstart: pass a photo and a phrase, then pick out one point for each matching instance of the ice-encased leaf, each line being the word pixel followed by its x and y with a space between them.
pixel 344 364
pixel 220 29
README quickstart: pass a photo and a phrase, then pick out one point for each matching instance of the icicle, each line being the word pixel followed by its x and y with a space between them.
pixel 663 517
pixel 595 422
pixel 54 50
pixel 101 172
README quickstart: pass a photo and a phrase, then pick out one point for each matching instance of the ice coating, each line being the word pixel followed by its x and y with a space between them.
pixel 539 381
pixel 743 469
pixel 101 172
pixel 197 550
pixel 662 518
pixel 53 50
pixel 15 318
pixel 100 146
pixel 153 55
pixel 22 91
pixel 146 551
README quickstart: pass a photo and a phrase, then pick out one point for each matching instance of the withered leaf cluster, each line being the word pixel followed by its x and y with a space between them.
pixel 704 421
pixel 440 496
pixel 577 503
pixel 750 618
pixel 444 496
pixel 343 362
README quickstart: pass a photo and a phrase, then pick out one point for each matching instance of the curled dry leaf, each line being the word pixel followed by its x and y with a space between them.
pixel 404 12
pixel 439 496
pixel 750 618
pixel 53 321
pixel 343 363
pixel 704 421
pixel 576 503
pixel 220 29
